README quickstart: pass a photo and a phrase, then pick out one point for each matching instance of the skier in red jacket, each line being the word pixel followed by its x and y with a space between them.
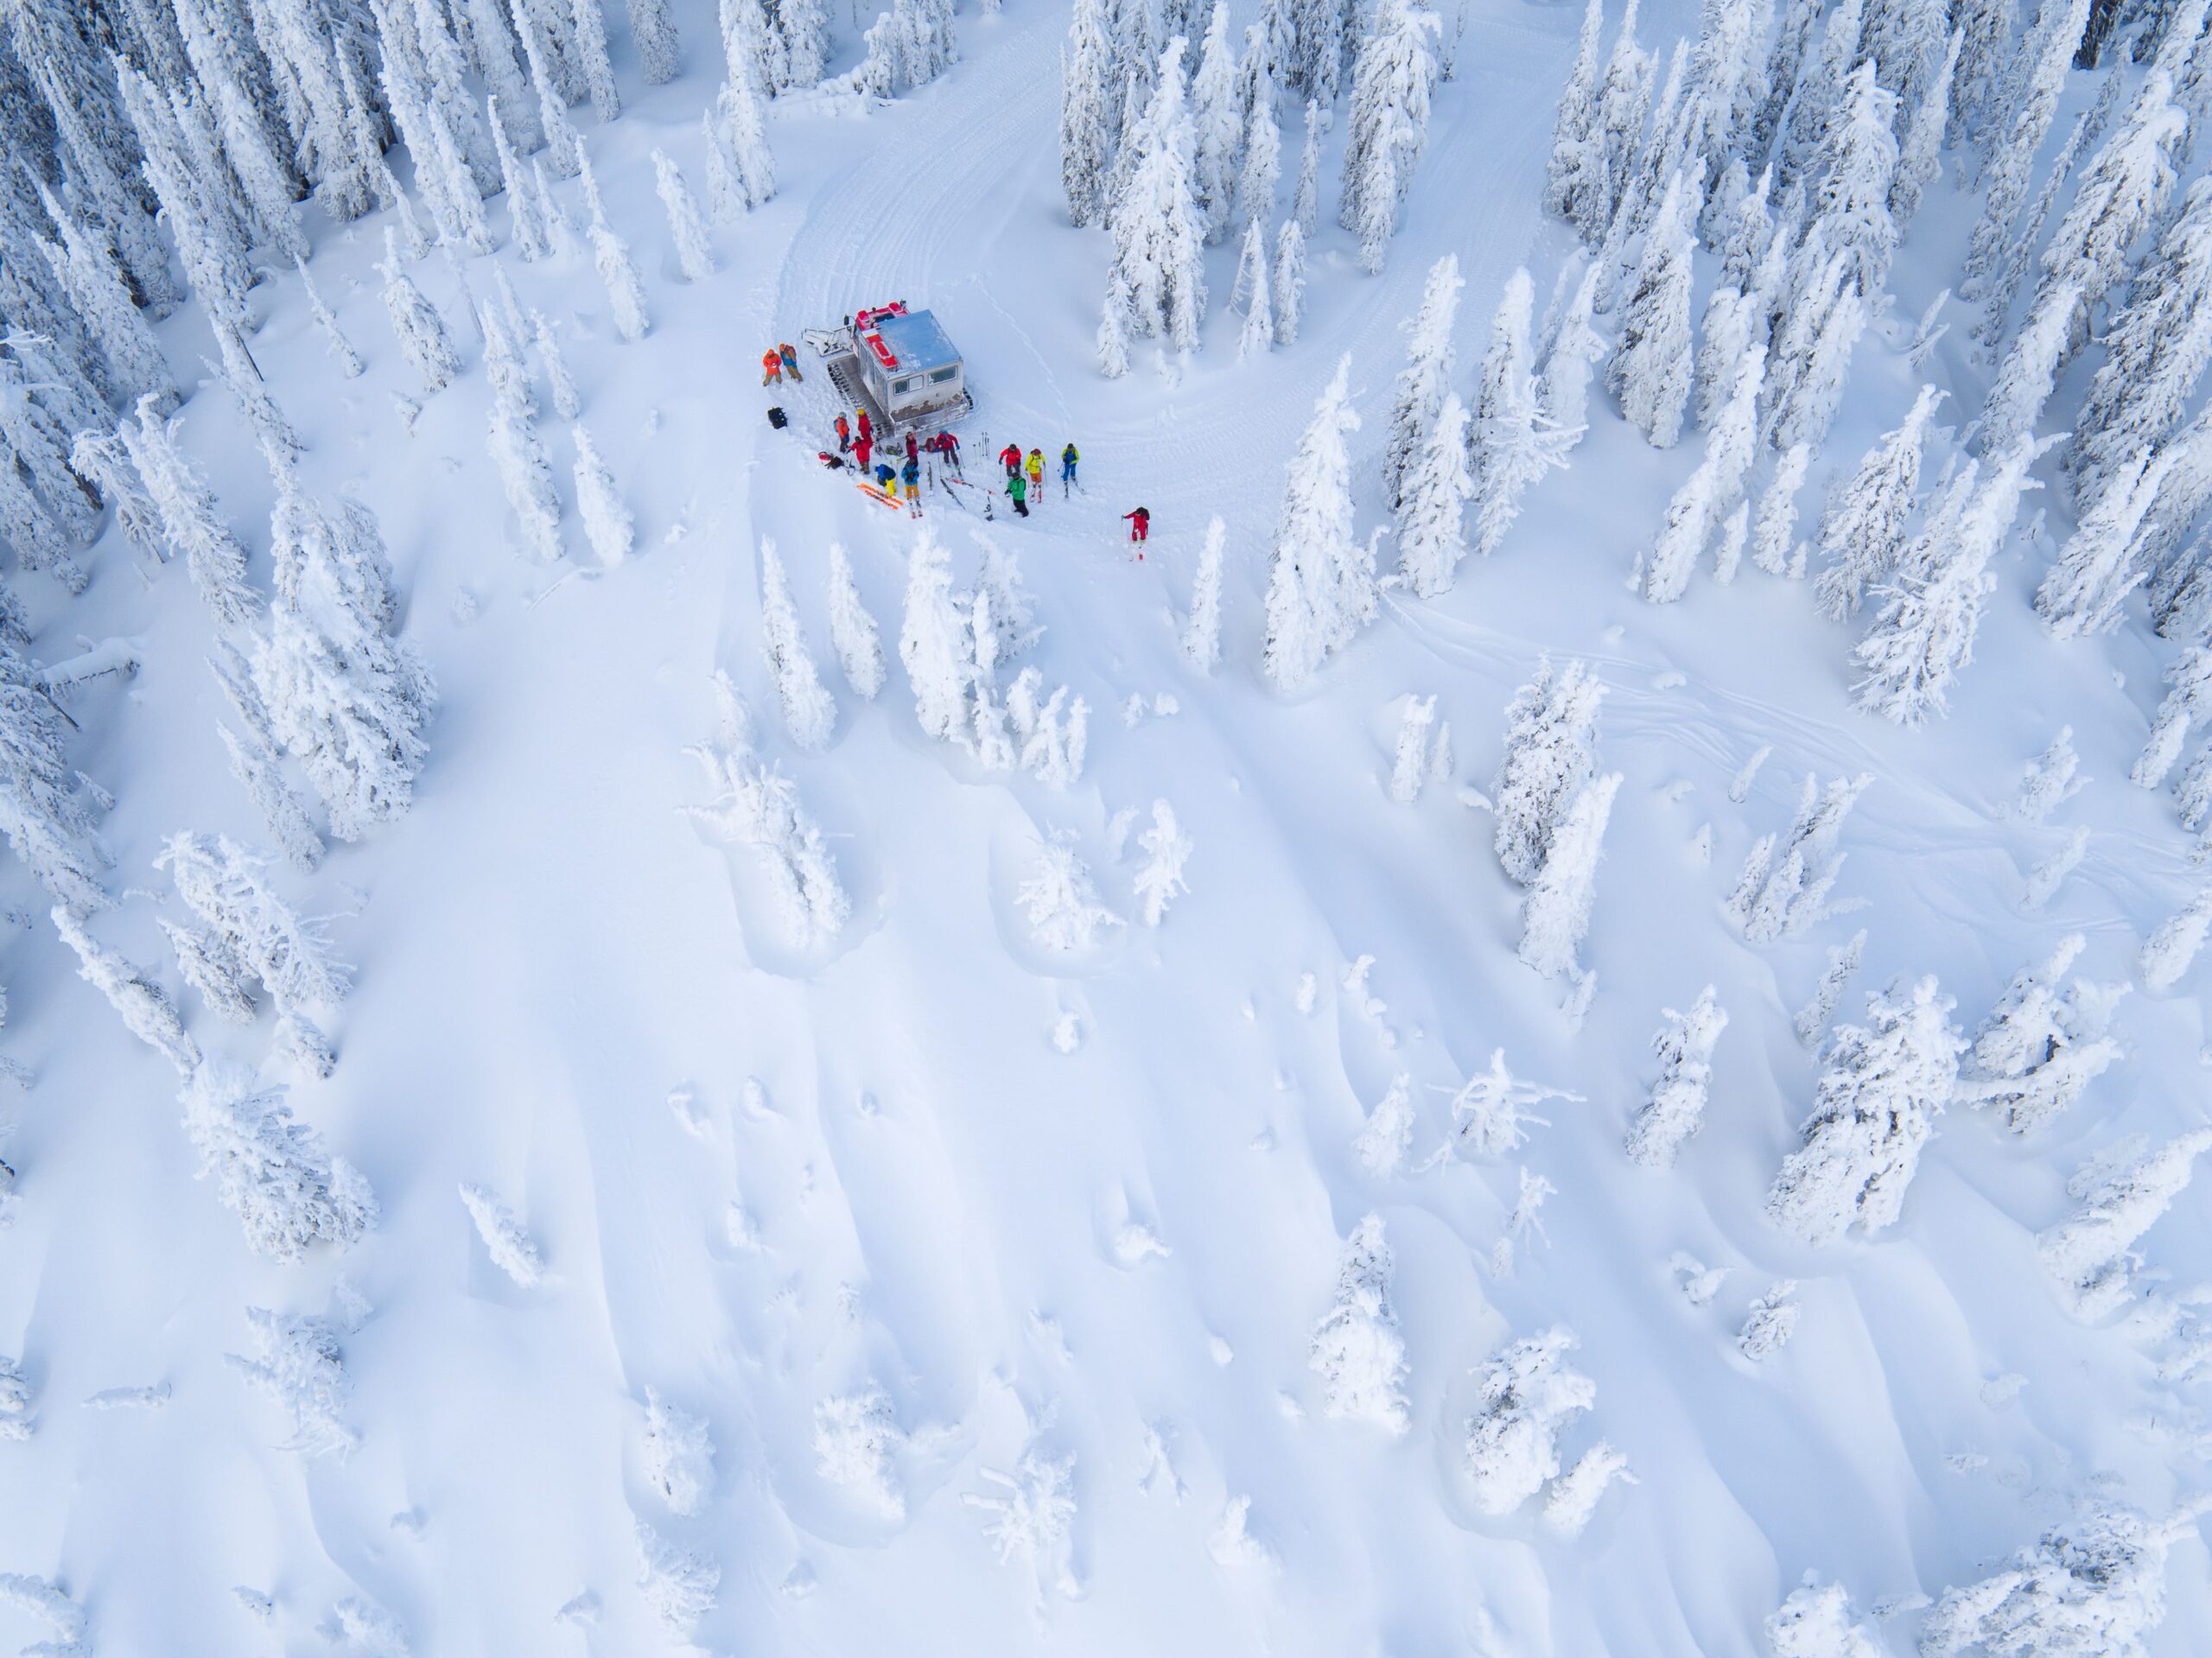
pixel 863 444
pixel 867 427
pixel 1010 457
pixel 1140 525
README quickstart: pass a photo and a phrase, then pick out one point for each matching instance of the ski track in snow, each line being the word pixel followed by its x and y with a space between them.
pixel 566 986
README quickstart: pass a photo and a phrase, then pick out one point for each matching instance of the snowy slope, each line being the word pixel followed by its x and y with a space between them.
pixel 572 992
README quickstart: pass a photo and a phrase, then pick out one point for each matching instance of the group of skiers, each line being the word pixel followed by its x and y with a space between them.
pixel 1024 474
pixel 777 361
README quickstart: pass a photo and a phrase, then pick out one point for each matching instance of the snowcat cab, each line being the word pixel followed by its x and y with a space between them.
pixel 897 363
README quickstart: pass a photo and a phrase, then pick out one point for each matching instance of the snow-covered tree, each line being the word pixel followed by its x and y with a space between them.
pixel 1811 357
pixel 423 341
pixel 1321 585
pixel 932 641
pixel 743 135
pixel 1389 127
pixel 1290 281
pixel 1862 535
pixel 1201 637
pixel 47 812
pixel 2090 1254
pixel 1576 182
pixel 525 475
pixel 1422 385
pixel 1260 171
pixel 1920 147
pixel 679 1584
pixel 1652 364
pixel 607 523
pixel 2041 1045
pixel 1624 102
pixel 1769 1324
pixel 250 925
pixel 1059 902
pixel 1779 897
pixel 1529 1394
pixel 2188 701
pixel 1775 547
pixel 1925 633
pixel 1882 1086
pixel 191 522
pixel 1306 194
pixel 1432 505
pixel 652 33
pixel 1676 1108
pixel 1576 348
pixel 2083 592
pixel 257 764
pixel 2170 949
pixel 271 1171
pixel 852 630
pixel 504 1239
pixel 809 712
pixel 759 808
pixel 1708 496
pixel 2049 780
pixel 1818 1621
pixel 1357 1350
pixel 1166 849
pixel 1557 913
pixel 1258 335
pixel 1218 126
pixel 1155 223
pixel 1510 441
pixel 856 1440
pixel 1851 203
pixel 1088 96
pixel 2094 1584
pixel 1810 1020
pixel 2034 78
pixel 299 1363
pixel 679 1456
pixel 147 1012
pixel 2121 194
pixel 87 273
pixel 695 254
pixel 1550 757
pixel 626 293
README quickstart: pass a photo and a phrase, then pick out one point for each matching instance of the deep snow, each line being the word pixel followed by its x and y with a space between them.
pixel 571 993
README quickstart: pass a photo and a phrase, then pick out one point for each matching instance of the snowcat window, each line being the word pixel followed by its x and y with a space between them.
pixel 942 375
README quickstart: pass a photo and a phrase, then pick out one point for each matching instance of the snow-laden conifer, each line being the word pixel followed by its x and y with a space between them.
pixel 271 1171
pixel 1557 913
pixel 1420 390
pixel 1166 849
pixel 695 254
pixel 1528 1396
pixel 1675 1111
pixel 1388 126
pixel 809 712
pixel 1321 584
pixel 1862 535
pixel 1652 363
pixel 1510 441
pixel 422 338
pixel 1357 1350
pixel 852 630
pixel 1881 1089
pixel 1432 502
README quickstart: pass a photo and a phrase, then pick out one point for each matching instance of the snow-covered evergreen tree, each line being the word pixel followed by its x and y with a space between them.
pixel 852 630
pixel 1155 222
pixel 2090 1254
pixel 2049 780
pixel 1550 757
pixel 2094 1584
pixel 809 710
pixel 1811 357
pixel 1357 1350
pixel 2188 701
pixel 2083 592
pixel 1925 633
pixel 1652 364
pixel 607 523
pixel 610 254
pixel 1059 902
pixel 1862 535
pixel 2021 119
pixel 147 1012
pixel 248 928
pixel 1260 171
pixel 1818 1621
pixel 1780 896
pixel 1321 584
pixel 1775 547
pixel 271 1171
pixel 695 254
pixel 46 811
pixel 1431 507
pixel 1853 201
pixel 1811 1022
pixel 1510 441
pixel 1388 127
pixel 525 475
pixel 2170 949
pixel 932 642
pixel 1557 913
pixel 423 341
pixel 653 33
pixel 1258 336
pixel 679 1456
pixel 1166 849
pixel 1422 385
pixel 1202 628
pixel 1708 496
pixel 191 522
pixel 1217 127
pixel 505 1241
pixel 1576 348
pixel 2041 1044
pixel 1290 281
pixel 88 274
pixel 1920 147
pixel 1882 1086
pixel 1529 1395
pixel 2121 194
pixel 1675 1111
pixel 1576 180
pixel 1088 97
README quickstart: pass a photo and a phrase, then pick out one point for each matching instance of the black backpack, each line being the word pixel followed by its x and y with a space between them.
pixel 777 419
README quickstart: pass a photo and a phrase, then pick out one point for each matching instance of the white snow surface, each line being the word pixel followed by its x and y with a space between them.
pixel 570 993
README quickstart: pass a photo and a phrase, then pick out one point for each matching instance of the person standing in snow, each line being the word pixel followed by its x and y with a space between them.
pixel 911 475
pixel 844 434
pixel 948 447
pixel 1068 458
pixel 866 426
pixel 772 367
pixel 790 361
pixel 1010 457
pixel 1035 466
pixel 862 445
pixel 1017 490
pixel 913 446
pixel 1140 525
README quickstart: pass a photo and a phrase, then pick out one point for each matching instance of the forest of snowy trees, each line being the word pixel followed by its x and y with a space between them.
pixel 1727 220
